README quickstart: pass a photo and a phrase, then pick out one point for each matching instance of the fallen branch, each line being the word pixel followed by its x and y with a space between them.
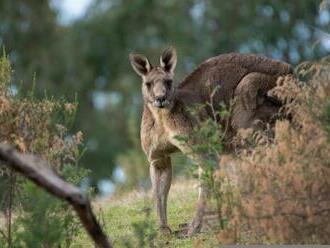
pixel 41 174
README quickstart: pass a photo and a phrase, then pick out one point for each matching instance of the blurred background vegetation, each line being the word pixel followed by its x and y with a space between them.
pixel 80 49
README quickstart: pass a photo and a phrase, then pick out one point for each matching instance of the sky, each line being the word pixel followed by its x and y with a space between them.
pixel 70 10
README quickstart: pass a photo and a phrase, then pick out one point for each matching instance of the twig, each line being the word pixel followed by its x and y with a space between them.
pixel 10 207
pixel 228 119
pixel 3 234
pixel 211 104
pixel 40 173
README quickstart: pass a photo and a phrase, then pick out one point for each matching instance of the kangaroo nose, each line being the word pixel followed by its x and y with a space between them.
pixel 160 99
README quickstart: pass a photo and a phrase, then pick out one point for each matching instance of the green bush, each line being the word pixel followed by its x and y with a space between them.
pixel 45 221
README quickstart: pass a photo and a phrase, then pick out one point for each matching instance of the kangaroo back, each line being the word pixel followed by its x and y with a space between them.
pixel 227 70
pixel 254 63
pixel 231 68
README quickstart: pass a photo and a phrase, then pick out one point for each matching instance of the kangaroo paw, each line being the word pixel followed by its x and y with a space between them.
pixel 183 225
pixel 165 230
pixel 195 227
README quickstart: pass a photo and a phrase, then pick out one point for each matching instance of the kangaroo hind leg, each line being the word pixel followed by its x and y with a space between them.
pixel 252 104
pixel 203 194
pixel 161 178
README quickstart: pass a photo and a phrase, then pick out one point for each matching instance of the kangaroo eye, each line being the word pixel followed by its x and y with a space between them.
pixel 168 83
pixel 148 84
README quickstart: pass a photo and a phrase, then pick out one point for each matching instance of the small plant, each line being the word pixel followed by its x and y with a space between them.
pixel 43 220
pixel 210 143
pixel 145 233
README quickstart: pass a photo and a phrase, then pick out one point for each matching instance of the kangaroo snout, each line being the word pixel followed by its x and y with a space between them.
pixel 161 102
pixel 160 99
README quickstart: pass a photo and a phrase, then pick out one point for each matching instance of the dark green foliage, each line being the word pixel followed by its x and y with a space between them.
pixel 43 220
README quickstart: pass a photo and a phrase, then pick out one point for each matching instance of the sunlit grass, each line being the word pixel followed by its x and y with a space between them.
pixel 118 215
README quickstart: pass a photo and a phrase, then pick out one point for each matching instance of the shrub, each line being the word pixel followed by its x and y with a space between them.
pixel 209 141
pixel 32 218
pixel 282 185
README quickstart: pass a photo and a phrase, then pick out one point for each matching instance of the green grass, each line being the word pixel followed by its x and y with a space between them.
pixel 118 215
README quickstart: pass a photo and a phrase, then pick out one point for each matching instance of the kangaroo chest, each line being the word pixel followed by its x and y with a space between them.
pixel 160 137
pixel 162 132
pixel 157 134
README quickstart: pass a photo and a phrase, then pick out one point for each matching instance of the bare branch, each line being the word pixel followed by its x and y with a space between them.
pixel 41 174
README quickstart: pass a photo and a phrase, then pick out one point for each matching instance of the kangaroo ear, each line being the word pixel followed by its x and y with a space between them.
pixel 140 64
pixel 168 59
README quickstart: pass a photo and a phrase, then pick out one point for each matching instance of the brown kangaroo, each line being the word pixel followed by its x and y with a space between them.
pixel 165 115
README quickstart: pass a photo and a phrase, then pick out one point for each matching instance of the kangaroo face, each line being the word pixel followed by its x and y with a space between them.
pixel 157 87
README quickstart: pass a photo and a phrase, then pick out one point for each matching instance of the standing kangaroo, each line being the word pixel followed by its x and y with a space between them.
pixel 165 115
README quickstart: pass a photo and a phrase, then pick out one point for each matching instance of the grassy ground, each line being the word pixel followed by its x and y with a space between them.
pixel 125 215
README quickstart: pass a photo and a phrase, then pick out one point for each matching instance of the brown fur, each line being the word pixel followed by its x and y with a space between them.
pixel 246 77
